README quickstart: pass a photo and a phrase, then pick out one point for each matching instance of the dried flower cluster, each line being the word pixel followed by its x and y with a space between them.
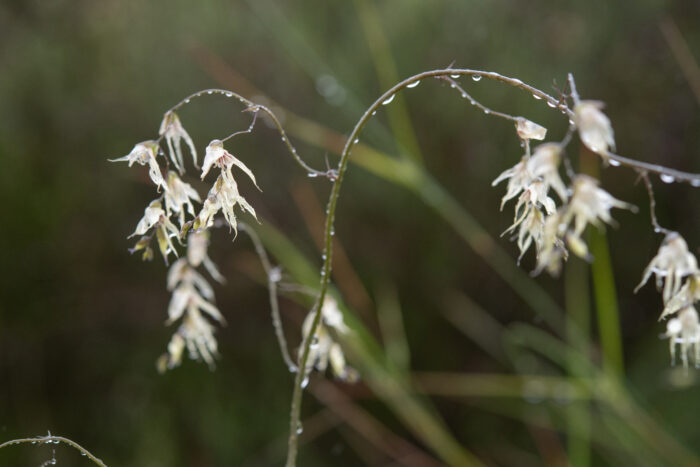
pixel 171 217
pixel 324 348
pixel 676 272
pixel 556 231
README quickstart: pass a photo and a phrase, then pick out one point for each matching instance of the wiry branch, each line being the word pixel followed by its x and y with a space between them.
pixel 273 277
pixel 652 204
pixel 50 439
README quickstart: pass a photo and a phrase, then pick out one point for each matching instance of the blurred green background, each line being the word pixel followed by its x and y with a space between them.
pixel 81 321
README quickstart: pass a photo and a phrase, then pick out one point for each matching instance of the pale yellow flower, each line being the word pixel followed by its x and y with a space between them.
pixel 217 156
pixel 589 204
pixel 197 245
pixel 519 178
pixel 223 196
pixel 685 332
pixel 178 196
pixel 324 349
pixel 174 132
pixel 544 165
pixel 594 127
pixel 671 264
pixel 155 216
pixel 688 294
pixel 527 129
pixel 145 153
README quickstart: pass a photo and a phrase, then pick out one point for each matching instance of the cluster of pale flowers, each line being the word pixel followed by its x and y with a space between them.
pixel 172 218
pixel 553 230
pixel 556 231
pixel 324 348
pixel 677 275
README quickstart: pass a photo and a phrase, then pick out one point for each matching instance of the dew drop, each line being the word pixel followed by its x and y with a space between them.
pixel 312 175
pixel 83 454
pixel 476 77
pixel 551 104
pixel 471 101
pixel 657 230
pixel 374 112
pixel 464 95
pixel 210 92
pixel 187 101
pixel 357 140
pixel 614 162
pixel 305 382
pixel 229 94
pixel 453 85
pixel 413 85
pixel 292 369
pixel 388 101
pixel 536 96
pixel 323 257
pixel 667 178
pixel 300 429
pixel 571 122
pixel 695 182
pixel 454 76
pixel 487 111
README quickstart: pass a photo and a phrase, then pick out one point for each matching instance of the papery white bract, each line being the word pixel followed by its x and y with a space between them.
pixel 178 196
pixel 527 129
pixel 544 165
pixel 173 131
pixel 324 348
pixel 688 294
pixel 671 264
pixel 217 156
pixel 685 331
pixel 594 127
pixel 155 216
pixel 223 196
pixel 145 153
pixel 197 245
pixel 589 204
pixel 519 178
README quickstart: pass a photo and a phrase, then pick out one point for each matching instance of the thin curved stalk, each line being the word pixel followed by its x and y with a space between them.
pixel 273 277
pixel 55 440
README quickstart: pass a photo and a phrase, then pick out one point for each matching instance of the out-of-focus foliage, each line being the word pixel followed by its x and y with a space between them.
pixel 81 321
